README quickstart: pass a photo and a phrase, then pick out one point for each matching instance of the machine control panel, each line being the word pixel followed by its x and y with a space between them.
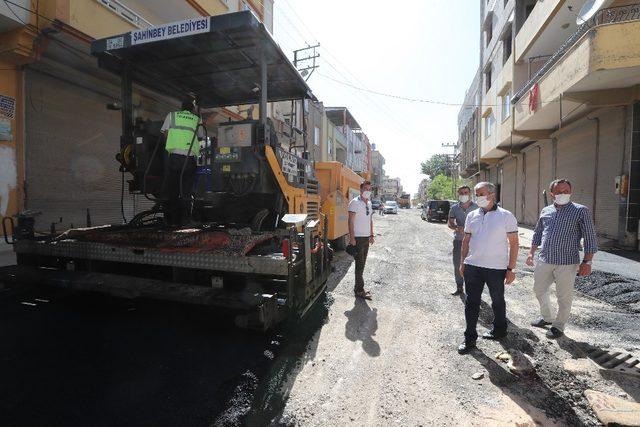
pixel 227 154
pixel 235 135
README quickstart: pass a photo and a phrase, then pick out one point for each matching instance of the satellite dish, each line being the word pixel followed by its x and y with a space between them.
pixel 590 8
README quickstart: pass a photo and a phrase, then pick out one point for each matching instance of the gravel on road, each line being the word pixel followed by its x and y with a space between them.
pixel 69 358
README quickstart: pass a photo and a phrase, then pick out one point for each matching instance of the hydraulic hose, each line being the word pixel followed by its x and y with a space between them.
pixel 146 172
pixel 186 159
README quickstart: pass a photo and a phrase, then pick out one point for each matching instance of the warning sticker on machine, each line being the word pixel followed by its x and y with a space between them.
pixel 289 165
pixel 170 31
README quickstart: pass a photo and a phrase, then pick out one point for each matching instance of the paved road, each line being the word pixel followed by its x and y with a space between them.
pixel 75 359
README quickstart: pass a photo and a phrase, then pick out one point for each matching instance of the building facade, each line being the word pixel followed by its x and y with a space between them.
pixel 353 148
pixel 377 171
pixel 564 103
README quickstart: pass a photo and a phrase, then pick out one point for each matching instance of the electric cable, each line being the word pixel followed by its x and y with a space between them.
pixel 124 219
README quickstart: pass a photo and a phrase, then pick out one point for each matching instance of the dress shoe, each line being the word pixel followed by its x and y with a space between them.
pixel 492 335
pixel 466 347
pixel 457 292
pixel 554 332
pixel 540 323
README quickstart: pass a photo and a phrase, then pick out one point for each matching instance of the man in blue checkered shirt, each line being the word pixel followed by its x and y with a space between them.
pixel 560 228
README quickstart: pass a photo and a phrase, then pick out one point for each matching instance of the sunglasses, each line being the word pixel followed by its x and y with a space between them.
pixel 367 207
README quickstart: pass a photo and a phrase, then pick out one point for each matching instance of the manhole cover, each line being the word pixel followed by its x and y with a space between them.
pixel 615 361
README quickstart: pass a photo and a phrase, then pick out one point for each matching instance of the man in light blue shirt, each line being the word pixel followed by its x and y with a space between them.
pixel 560 228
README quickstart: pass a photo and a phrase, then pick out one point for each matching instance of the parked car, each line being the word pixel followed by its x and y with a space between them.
pixel 436 210
pixel 376 204
pixel 391 207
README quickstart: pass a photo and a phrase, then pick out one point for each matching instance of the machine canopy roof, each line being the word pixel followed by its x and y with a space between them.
pixel 215 58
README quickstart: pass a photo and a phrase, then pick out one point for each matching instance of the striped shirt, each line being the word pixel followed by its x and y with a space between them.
pixel 559 232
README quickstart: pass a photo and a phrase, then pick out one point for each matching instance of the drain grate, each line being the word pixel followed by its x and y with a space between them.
pixel 615 361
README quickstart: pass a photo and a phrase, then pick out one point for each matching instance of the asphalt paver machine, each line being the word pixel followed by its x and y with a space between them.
pixel 255 243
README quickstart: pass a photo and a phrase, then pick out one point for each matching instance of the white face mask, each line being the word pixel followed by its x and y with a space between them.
pixel 366 194
pixel 463 198
pixel 482 201
pixel 562 199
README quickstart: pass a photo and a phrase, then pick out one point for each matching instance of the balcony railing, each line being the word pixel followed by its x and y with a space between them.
pixel 612 15
pixel 122 10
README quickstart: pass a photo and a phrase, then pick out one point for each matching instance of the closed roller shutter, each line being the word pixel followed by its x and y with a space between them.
pixel 576 157
pixel 546 170
pixel 519 212
pixel 532 175
pixel 508 187
pixel 609 166
pixel 71 144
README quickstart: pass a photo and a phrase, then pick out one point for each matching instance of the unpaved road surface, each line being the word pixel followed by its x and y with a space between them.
pixel 69 359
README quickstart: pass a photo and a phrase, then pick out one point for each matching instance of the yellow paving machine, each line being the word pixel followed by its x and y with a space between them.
pixel 257 240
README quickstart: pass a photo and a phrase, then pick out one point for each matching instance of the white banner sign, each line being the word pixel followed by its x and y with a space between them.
pixel 170 31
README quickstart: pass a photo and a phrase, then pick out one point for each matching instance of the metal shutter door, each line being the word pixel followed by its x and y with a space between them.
pixel 576 157
pixel 610 156
pixel 71 143
pixel 519 214
pixel 532 175
pixel 546 170
pixel 508 187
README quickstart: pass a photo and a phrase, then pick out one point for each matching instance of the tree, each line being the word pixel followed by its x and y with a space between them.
pixel 438 164
pixel 441 188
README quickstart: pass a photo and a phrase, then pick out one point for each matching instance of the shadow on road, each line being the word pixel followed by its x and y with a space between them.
pixel 528 393
pixel 94 360
pixel 362 324
pixel 300 344
pixel 517 338
pixel 341 263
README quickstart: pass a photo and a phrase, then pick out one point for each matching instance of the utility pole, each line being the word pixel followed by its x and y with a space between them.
pixel 305 60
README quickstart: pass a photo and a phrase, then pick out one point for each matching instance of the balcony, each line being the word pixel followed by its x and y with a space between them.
pixel 497 143
pixel 602 55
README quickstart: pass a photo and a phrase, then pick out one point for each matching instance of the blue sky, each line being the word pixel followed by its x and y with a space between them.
pixel 425 49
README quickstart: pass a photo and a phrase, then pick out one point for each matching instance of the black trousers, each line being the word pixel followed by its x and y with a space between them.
pixel 362 243
pixel 456 254
pixel 474 280
pixel 177 209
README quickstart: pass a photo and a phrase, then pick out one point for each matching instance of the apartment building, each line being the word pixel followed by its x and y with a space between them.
pixel 377 170
pixel 57 138
pixel 468 122
pixel 352 144
pixel 564 103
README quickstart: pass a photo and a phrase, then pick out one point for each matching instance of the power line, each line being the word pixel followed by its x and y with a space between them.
pixel 403 98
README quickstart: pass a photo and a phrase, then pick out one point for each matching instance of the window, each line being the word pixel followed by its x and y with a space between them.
pixel 488 29
pixel 506 106
pixel 506 46
pixel 329 146
pixel 488 125
pixel 487 78
pixel 316 135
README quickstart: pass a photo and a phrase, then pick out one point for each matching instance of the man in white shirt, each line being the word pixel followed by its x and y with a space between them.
pixel 361 234
pixel 489 254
